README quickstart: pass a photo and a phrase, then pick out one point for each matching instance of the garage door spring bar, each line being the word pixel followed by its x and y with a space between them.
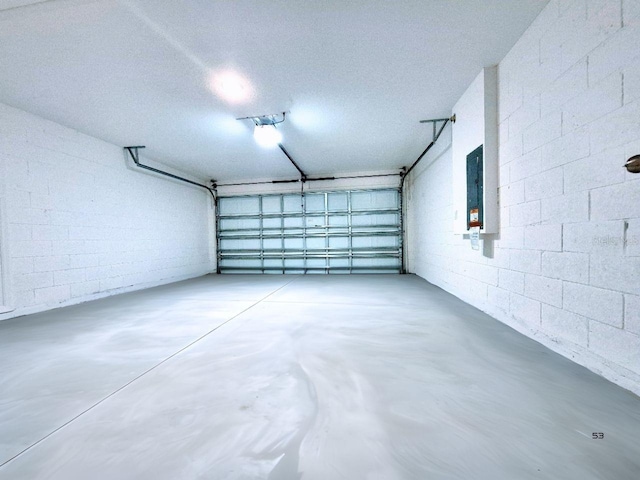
pixel 135 155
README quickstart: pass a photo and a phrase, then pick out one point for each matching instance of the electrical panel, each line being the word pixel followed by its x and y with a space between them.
pixel 475 158
pixel 475 194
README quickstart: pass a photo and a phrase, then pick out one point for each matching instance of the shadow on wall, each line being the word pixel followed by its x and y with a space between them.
pixel 488 241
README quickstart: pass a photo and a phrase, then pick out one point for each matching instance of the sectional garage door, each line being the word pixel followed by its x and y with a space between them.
pixel 322 232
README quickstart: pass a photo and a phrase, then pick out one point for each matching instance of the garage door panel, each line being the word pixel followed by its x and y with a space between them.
pixel 314 221
pixel 240 224
pixel 338 201
pixel 292 204
pixel 375 219
pixel 293 244
pixel 316 263
pixel 316 243
pixel 242 205
pixel 271 204
pixel 240 244
pixel 275 223
pixel 374 199
pixel 272 243
pixel 373 242
pixel 241 263
pixel 274 263
pixel 292 222
pixel 325 232
pixel 294 263
pixel 315 202
pixel 341 263
pixel 339 242
pixel 338 220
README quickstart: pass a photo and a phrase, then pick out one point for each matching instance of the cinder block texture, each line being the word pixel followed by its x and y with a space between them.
pixel 544 237
pixel 511 280
pixel 569 117
pixel 632 313
pixel 617 345
pixel 573 267
pixel 83 223
pixel 596 303
pixel 546 290
pixel 565 326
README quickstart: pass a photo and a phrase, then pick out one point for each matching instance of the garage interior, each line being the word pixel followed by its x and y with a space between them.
pixel 317 240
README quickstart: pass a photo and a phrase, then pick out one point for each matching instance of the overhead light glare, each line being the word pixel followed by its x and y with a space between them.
pixel 267 136
pixel 232 87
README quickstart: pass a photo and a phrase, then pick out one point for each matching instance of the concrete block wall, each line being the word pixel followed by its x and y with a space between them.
pixel 80 222
pixel 565 266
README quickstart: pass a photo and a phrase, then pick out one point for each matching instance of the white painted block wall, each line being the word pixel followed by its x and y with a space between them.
pixel 565 266
pixel 80 222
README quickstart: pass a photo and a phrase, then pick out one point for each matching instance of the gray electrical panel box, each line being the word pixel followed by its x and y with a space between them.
pixel 475 207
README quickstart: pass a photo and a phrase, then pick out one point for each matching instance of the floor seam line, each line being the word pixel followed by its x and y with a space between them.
pixel 99 402
pixel 337 303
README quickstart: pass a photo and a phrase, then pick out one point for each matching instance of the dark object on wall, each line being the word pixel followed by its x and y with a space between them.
pixel 475 207
pixel 633 164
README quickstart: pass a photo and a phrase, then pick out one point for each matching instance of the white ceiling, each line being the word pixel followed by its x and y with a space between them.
pixel 356 76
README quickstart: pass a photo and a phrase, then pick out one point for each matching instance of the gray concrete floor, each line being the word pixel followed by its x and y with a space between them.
pixel 300 377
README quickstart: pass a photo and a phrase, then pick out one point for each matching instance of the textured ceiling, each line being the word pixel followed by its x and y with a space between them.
pixel 356 76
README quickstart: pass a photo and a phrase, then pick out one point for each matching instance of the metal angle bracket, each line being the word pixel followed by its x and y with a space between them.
pixel 436 134
pixel 434 122
pixel 133 151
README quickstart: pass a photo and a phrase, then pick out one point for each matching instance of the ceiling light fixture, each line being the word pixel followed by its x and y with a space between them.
pixel 267 135
pixel 265 131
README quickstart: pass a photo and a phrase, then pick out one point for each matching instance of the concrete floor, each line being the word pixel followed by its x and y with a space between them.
pixel 300 377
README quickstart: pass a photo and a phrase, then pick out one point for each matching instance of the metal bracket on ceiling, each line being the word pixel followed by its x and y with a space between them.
pixel 133 152
pixel 270 119
pixel 434 122
pixel 274 119
pixel 436 134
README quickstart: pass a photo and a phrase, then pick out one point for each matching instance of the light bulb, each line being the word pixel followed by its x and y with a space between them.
pixel 267 136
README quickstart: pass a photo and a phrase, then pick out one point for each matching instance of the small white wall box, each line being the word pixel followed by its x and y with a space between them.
pixel 475 156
